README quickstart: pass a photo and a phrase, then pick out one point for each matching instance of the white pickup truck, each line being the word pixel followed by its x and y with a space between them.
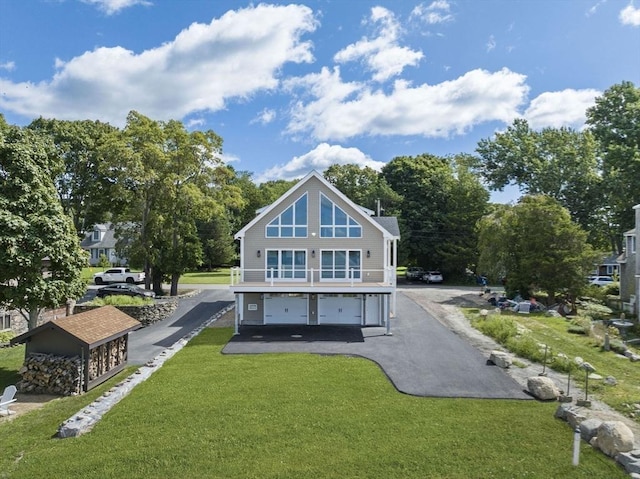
pixel 118 275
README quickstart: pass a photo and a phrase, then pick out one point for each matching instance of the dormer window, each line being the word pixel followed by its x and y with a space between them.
pixel 335 222
pixel 292 222
pixel 96 235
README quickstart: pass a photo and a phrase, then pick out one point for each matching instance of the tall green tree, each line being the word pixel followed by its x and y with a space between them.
pixel 615 123
pixel 172 179
pixel 84 191
pixel 441 201
pixel 34 230
pixel 364 186
pixel 560 163
pixel 537 245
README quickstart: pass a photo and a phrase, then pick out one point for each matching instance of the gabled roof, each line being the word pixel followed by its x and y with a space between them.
pixel 108 238
pixel 630 232
pixel 90 328
pixel 364 212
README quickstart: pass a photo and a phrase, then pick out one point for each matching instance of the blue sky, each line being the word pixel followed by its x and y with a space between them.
pixel 298 86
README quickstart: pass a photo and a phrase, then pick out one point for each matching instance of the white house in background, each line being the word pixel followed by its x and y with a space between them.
pixel 314 257
pixel 630 270
pixel 101 240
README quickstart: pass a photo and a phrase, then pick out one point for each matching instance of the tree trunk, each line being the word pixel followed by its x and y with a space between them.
pixel 174 284
pixel 34 314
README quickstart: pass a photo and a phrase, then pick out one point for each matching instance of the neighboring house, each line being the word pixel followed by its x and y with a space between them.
pixel 101 240
pixel 608 266
pixel 630 270
pixel 314 257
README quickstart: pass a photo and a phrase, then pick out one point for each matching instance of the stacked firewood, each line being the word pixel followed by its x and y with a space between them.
pixel 50 374
pixel 104 358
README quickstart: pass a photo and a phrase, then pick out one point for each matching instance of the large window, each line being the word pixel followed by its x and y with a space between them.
pixel 286 264
pixel 292 222
pixel 335 223
pixel 5 321
pixel 341 265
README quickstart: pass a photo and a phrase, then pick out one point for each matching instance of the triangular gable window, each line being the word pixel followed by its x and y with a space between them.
pixel 335 222
pixel 292 222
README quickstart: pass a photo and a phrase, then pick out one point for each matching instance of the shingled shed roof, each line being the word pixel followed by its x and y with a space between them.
pixel 90 328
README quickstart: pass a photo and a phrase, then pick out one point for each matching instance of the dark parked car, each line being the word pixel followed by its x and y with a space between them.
pixel 124 289
pixel 414 273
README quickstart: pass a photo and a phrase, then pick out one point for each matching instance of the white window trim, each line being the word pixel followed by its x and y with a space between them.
pixel 292 226
pixel 279 278
pixel 347 278
pixel 5 317
pixel 333 226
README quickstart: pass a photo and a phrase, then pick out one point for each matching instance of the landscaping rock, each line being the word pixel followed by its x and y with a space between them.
pixel 610 381
pixel 574 418
pixel 543 388
pixel 614 437
pixel 501 359
pixel 589 428
pixel 630 461
pixel 561 412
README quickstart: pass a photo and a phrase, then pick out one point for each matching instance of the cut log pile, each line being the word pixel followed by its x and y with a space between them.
pixel 106 357
pixel 50 374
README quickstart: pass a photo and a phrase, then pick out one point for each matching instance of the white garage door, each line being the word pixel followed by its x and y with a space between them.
pixel 286 308
pixel 339 309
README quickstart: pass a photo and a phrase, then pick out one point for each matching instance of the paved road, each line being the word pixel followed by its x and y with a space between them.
pixel 146 343
pixel 422 358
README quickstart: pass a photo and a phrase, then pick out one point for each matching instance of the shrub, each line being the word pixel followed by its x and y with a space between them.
pixel 122 300
pixel 6 336
pixel 597 312
pixel 576 329
pixel 499 328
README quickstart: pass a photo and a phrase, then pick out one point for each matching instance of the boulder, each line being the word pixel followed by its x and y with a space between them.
pixel 589 428
pixel 614 437
pixel 501 359
pixel 542 387
pixel 561 412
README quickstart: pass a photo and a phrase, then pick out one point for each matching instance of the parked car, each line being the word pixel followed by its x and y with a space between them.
pixel 432 277
pixel 600 280
pixel 118 275
pixel 414 273
pixel 124 289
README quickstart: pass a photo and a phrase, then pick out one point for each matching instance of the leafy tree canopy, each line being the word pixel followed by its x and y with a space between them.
pixel 34 231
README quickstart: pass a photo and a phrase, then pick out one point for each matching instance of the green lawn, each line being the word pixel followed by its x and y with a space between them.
pixel 209 415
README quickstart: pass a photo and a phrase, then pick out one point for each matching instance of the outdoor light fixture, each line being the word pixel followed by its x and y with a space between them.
pixel 368 254
pixel 258 253
pixel 313 253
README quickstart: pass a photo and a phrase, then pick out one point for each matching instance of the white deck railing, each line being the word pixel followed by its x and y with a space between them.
pixel 312 276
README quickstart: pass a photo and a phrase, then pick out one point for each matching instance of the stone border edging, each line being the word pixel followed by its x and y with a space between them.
pixel 83 421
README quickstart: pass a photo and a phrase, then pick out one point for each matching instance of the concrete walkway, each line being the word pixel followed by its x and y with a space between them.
pixel 422 358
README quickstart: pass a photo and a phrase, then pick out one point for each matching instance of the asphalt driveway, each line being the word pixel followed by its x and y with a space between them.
pixel 421 358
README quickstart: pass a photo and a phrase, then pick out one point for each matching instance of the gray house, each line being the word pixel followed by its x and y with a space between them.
pixel 101 241
pixel 314 257
pixel 630 270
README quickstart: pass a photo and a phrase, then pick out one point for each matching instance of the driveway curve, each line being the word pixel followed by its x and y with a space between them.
pixel 422 358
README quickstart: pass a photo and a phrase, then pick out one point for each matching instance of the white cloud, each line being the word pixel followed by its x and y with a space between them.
pixel 320 158
pixel 630 16
pixel 229 158
pixel 436 12
pixel 265 116
pixel 594 8
pixel 491 43
pixel 114 6
pixel 561 108
pixel 382 54
pixel 344 110
pixel 205 66
pixel 8 66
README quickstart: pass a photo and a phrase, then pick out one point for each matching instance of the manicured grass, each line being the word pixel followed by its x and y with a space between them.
pixel 219 276
pixel 11 360
pixel 297 416
pixel 554 332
